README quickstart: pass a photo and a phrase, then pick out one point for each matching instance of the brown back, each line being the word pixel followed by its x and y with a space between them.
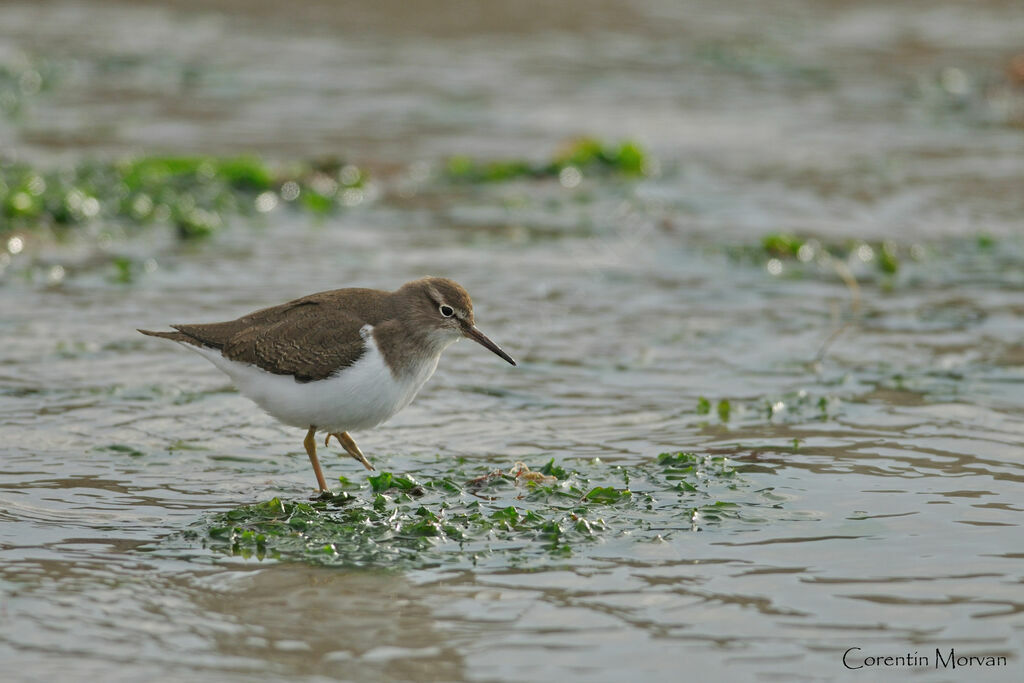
pixel 310 338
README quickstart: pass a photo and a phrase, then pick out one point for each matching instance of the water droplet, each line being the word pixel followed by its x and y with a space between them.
pixel 266 202
pixel 324 184
pixel 351 196
pixel 206 171
pixel 36 185
pixel 90 207
pixel 142 205
pixel 350 175
pixel 290 191
pixel 21 201
pixel 955 81
pixel 570 176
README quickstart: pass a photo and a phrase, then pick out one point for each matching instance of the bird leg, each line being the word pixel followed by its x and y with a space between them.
pixel 310 444
pixel 350 447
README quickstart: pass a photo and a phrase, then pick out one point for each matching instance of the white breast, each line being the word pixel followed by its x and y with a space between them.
pixel 361 396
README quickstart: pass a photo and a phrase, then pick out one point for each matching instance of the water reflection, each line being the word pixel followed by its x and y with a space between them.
pixel 360 625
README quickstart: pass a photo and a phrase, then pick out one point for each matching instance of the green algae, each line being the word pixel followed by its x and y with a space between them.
pixel 791 407
pixel 463 515
pixel 195 195
pixel 198 195
pixel 885 256
pixel 584 156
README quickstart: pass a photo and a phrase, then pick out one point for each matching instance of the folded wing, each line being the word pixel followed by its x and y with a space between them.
pixel 305 338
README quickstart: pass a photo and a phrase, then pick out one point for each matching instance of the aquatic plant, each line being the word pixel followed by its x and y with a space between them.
pixel 781 246
pixel 789 407
pixel 462 515
pixel 196 195
pixel 569 164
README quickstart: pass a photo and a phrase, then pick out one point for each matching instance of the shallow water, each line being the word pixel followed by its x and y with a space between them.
pixel 893 454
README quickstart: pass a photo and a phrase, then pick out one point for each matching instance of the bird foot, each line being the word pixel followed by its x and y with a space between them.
pixel 350 447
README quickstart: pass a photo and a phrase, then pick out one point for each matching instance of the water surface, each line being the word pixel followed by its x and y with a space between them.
pixel 892 452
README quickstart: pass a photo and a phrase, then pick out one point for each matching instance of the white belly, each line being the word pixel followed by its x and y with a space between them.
pixel 361 396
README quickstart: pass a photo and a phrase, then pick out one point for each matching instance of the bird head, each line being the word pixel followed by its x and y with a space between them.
pixel 444 308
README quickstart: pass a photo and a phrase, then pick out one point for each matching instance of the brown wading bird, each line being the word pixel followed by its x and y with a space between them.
pixel 342 360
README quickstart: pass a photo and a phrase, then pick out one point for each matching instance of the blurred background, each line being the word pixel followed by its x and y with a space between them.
pixel 787 233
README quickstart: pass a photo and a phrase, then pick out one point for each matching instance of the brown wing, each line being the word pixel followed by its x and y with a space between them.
pixel 218 335
pixel 305 338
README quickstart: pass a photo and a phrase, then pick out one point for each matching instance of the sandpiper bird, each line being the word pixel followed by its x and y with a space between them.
pixel 341 360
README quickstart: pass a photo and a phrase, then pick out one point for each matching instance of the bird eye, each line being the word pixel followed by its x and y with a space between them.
pixel 446 310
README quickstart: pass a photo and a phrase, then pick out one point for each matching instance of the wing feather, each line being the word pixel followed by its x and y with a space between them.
pixel 303 338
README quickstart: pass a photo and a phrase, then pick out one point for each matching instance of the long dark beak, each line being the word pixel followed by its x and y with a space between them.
pixel 481 339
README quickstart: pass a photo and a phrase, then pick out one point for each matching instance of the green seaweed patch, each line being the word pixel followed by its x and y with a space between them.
pixel 585 156
pixel 885 256
pixel 703 406
pixel 552 470
pixel 780 251
pixel 196 195
pixel 976 258
pixel 793 407
pixel 724 408
pixel 465 515
pixel 386 480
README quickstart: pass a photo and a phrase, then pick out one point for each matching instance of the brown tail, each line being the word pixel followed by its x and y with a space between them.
pixel 173 336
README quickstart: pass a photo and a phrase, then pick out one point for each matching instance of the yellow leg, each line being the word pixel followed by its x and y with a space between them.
pixel 310 444
pixel 350 447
